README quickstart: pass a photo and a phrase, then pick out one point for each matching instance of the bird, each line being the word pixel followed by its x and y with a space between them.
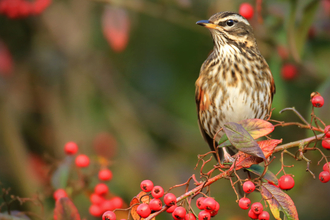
pixel 235 82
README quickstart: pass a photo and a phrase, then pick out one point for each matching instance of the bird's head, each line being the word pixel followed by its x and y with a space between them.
pixel 229 28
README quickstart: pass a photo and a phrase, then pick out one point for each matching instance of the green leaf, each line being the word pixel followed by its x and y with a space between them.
pixel 224 142
pixel 257 127
pixel 279 201
pixel 258 170
pixel 60 177
pixel 242 140
pixel 65 210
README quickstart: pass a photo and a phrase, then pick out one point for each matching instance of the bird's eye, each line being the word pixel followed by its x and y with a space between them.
pixel 230 22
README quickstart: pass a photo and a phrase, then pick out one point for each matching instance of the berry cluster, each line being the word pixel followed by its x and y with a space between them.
pixel 22 8
pixel 100 201
pixel 208 206
pixel 324 176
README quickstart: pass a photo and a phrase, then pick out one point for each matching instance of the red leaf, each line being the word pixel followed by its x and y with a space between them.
pixel 257 127
pixel 279 201
pixel 65 210
pixel 116 26
pixel 246 160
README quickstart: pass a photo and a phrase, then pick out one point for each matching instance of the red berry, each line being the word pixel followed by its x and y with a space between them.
pixel 327 131
pixel 170 199
pixel 257 208
pixel 171 208
pixel 263 216
pixel 147 185
pixel 82 160
pixel 286 182
pixel 248 187
pixel 326 166
pixel 244 203
pixel 324 176
pixel 252 215
pixel 204 215
pixel 109 215
pixel 143 210
pixel 215 211
pixel 155 204
pixel 101 189
pixel 326 144
pixel 179 213
pixel 70 148
pixel 199 203
pixel 157 192
pixel 59 193
pixel 95 210
pixel 117 202
pixel 190 216
pixel 96 199
pixel 246 10
pixel 209 204
pixel 105 175
pixel 107 205
pixel 317 101
pixel 289 71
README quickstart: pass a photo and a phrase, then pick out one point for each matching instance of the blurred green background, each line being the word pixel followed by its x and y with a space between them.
pixel 120 75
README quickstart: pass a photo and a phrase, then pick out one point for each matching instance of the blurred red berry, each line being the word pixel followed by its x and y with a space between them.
pixel 248 187
pixel 209 204
pixel 289 71
pixel 109 215
pixel 101 189
pixel 105 175
pixel 157 192
pixel 143 210
pixel 326 167
pixel 179 213
pixel 327 131
pixel 190 216
pixel 317 101
pixel 117 202
pixel 59 193
pixel 199 203
pixel 155 204
pixel 326 144
pixel 286 182
pixel 283 52
pixel 246 10
pixel 170 199
pixel 244 203
pixel 147 185
pixel 96 199
pixel 82 160
pixel 252 215
pixel 95 210
pixel 6 61
pixel 171 208
pixel 204 215
pixel 107 205
pixel 70 148
pixel 40 5
pixel 257 208
pixel 264 216
pixel 324 176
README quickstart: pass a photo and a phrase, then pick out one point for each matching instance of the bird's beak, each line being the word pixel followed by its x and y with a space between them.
pixel 207 23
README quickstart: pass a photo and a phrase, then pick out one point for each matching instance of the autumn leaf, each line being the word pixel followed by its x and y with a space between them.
pixel 242 140
pixel 65 210
pixel 279 201
pixel 245 160
pixel 257 127
pixel 142 197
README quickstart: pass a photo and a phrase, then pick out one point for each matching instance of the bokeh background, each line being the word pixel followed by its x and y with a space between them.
pixel 117 77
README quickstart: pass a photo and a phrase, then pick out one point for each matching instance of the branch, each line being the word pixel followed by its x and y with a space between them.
pixel 297 143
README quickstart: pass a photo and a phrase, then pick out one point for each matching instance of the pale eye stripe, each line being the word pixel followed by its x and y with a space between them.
pixel 235 17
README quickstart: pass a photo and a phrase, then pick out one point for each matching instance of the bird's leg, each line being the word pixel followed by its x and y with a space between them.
pixel 227 157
